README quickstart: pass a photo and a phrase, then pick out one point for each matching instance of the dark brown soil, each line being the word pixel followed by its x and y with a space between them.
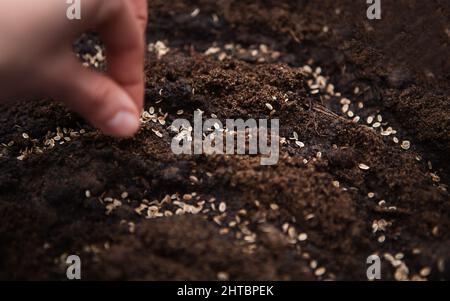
pixel 400 68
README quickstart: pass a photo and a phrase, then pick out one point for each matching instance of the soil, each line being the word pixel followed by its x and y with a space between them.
pixel 131 209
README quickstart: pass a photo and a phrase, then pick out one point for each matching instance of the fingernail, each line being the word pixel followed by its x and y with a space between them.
pixel 123 124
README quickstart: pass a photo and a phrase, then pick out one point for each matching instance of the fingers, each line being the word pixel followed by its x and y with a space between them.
pixel 99 99
pixel 125 50
pixel 119 29
pixel 140 9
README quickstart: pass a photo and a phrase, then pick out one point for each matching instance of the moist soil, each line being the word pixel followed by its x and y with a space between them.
pixel 131 209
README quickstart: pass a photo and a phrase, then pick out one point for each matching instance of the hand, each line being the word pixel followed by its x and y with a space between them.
pixel 36 58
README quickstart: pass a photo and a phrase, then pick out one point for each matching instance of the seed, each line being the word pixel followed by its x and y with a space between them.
pixel 25 136
pixel 302 237
pixel 345 108
pixel 157 133
pixel 345 101
pixel 313 264
pixel 395 139
pixel 300 144
pixel 269 106
pixel 379 118
pixel 369 119
pixel 274 206
pixel 336 184
pixel 320 271
pixel 363 166
pixel 425 272
pixel 405 145
pixel 381 239
pixel 222 207
pixel 187 197
pixel 87 193
pixel 124 195
pixel 180 112
pixel 350 114
pixel 376 125
pixel 356 119
pixel 223 276
pixel 371 194
pixel 307 69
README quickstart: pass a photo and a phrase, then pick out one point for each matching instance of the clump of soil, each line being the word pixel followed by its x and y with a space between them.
pixel 343 189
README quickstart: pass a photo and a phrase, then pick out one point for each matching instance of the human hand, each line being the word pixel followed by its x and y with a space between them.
pixel 36 58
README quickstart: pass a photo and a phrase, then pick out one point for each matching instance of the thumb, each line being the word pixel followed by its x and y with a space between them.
pixel 100 100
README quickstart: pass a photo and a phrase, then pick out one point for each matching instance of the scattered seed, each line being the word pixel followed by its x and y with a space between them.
pixel 222 207
pixel 345 101
pixel 320 271
pixel 87 193
pixel 124 195
pixel 223 276
pixel 302 237
pixel 424 272
pixel 269 106
pixel 25 136
pixel 345 108
pixel 157 133
pixel 369 119
pixel 363 166
pixel 405 145
pixel 300 144
pixel 371 194
pixel 376 125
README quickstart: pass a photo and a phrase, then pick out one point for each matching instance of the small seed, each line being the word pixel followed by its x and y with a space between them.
pixel 405 145
pixel 303 237
pixel 222 276
pixel 269 106
pixel 363 166
pixel 222 207
pixel 300 144
pixel 425 272
pixel 320 271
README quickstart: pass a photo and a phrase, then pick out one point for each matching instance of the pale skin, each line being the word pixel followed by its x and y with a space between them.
pixel 37 61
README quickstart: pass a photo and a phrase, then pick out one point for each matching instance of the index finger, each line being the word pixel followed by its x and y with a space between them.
pixel 140 9
pixel 119 29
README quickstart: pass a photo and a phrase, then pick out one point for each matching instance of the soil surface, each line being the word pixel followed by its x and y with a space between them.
pixel 364 114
